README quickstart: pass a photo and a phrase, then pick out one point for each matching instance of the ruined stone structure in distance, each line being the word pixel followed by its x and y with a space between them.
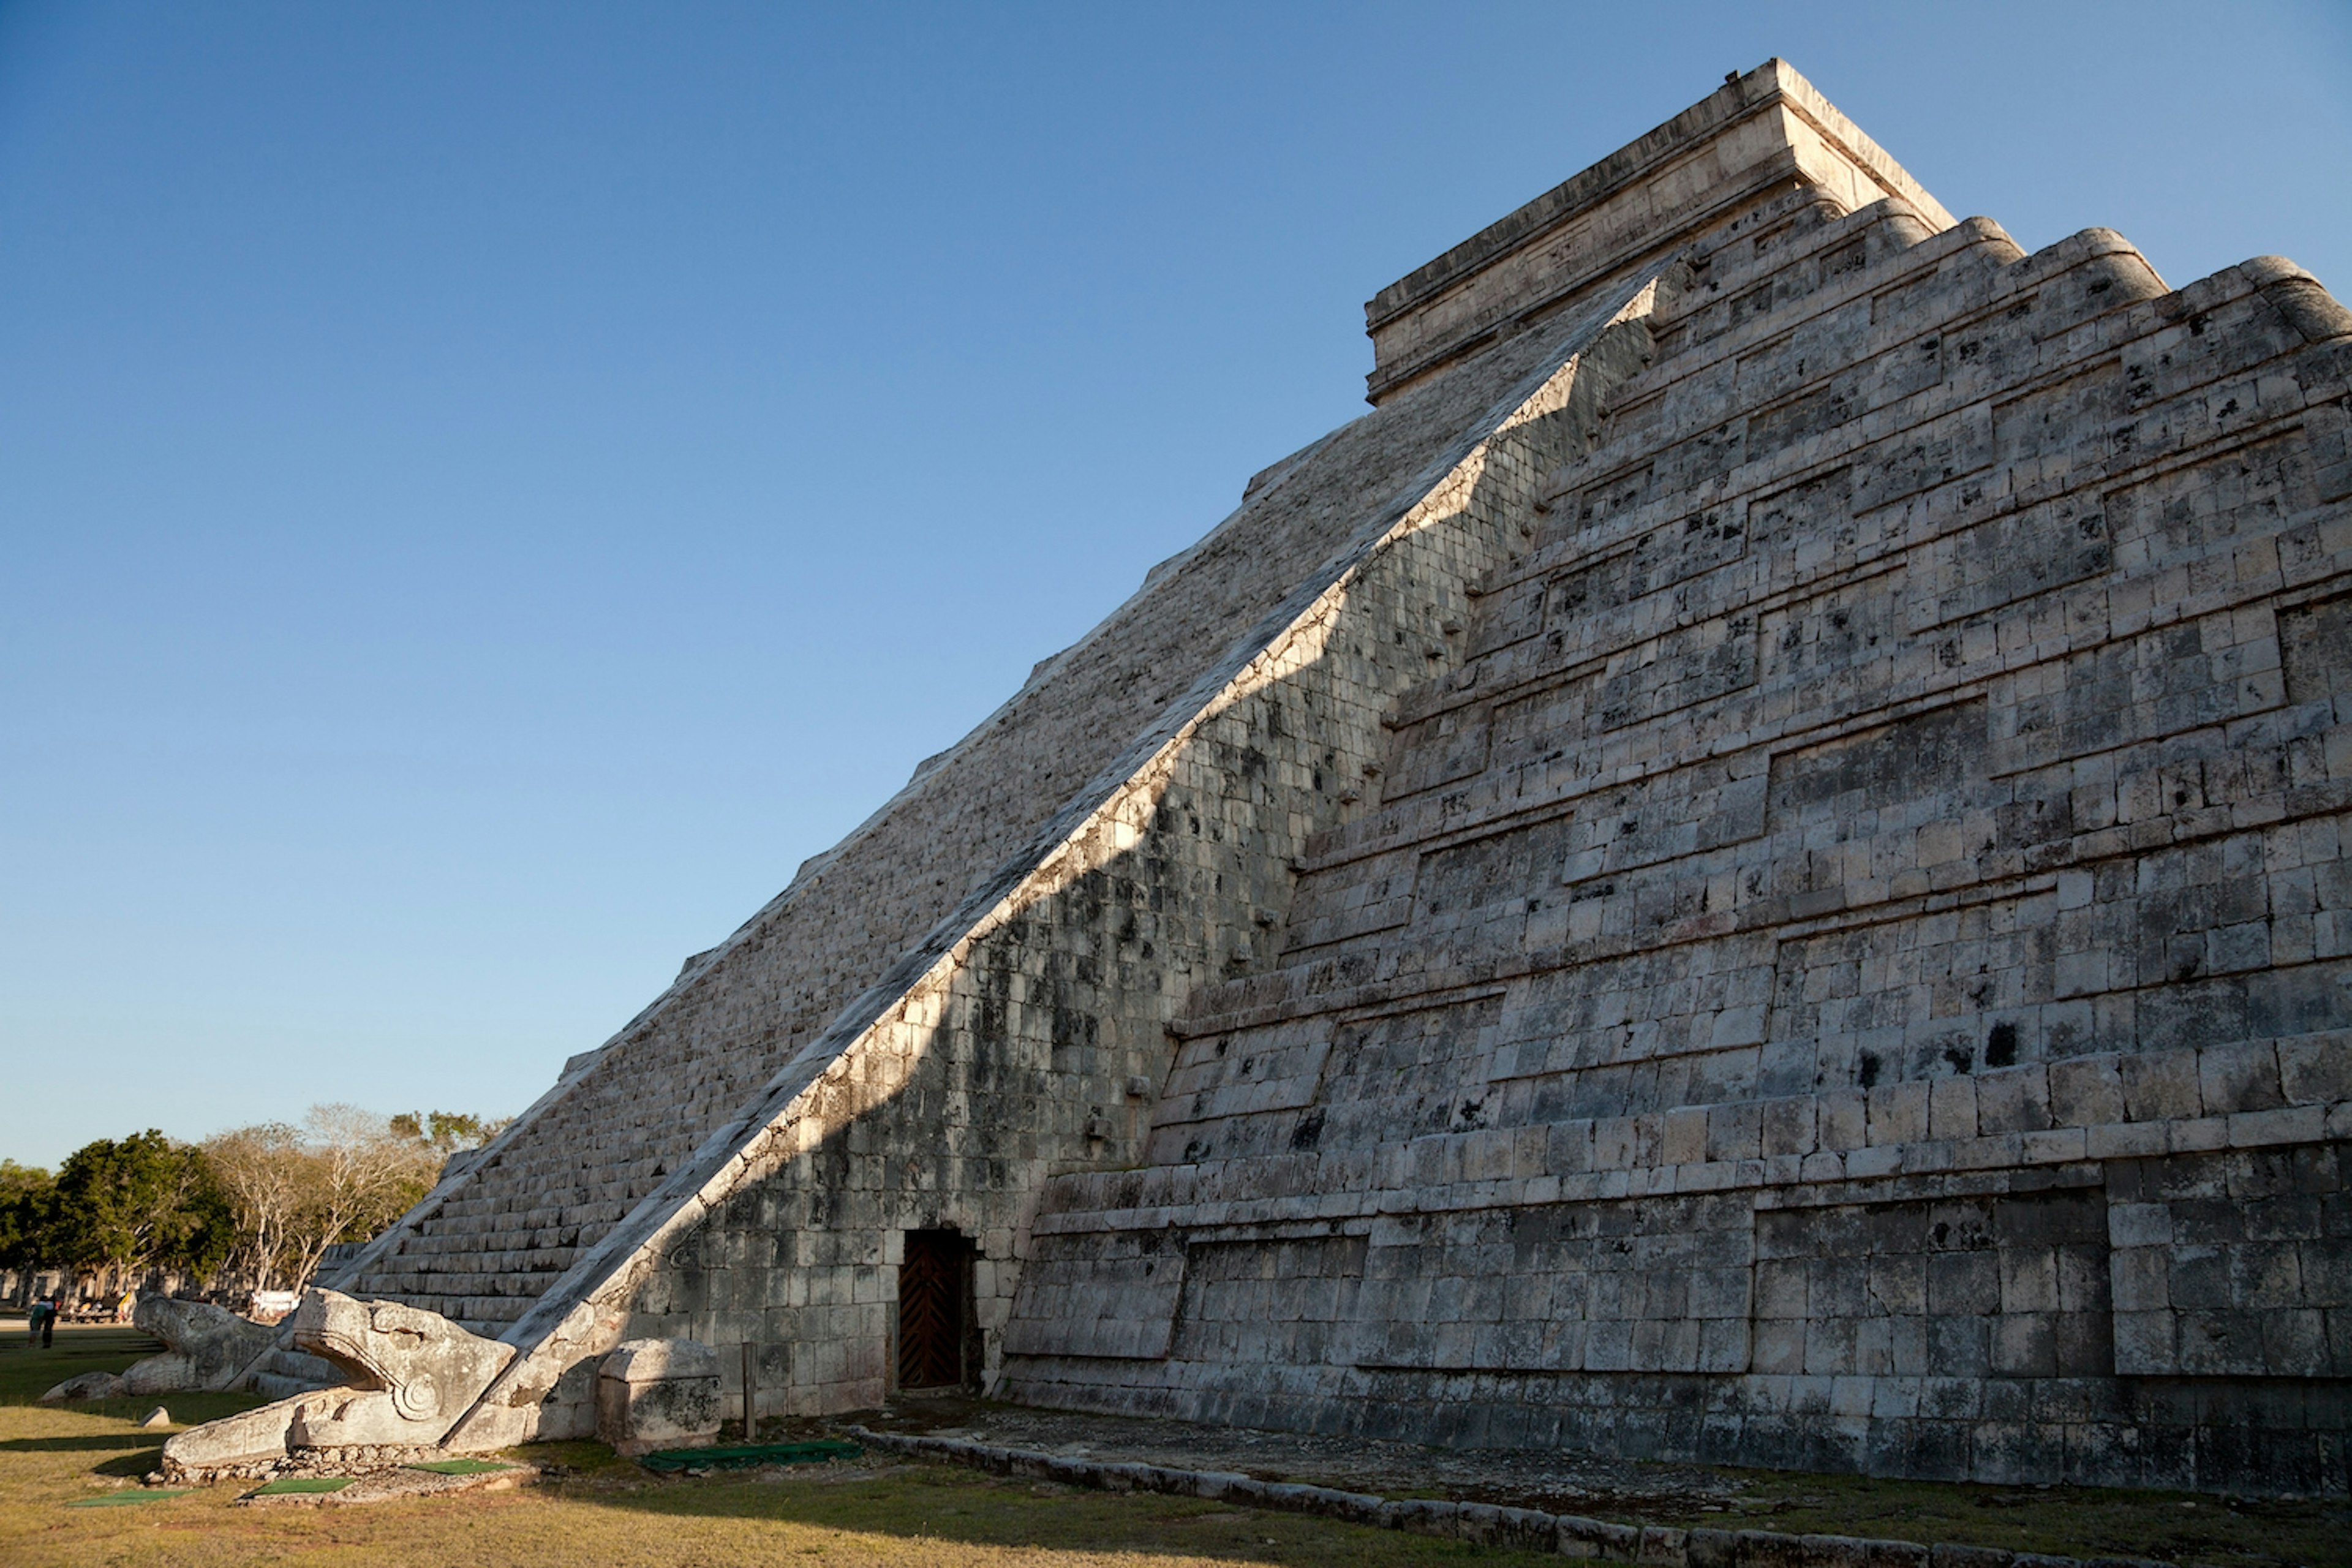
pixel 1748 868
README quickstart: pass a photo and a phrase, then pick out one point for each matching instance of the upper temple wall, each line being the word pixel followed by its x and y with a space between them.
pixel 1761 135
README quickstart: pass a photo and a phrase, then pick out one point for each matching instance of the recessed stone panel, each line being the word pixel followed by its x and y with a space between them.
pixel 1891 763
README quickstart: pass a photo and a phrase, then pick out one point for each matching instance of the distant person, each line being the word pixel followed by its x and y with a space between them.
pixel 39 1318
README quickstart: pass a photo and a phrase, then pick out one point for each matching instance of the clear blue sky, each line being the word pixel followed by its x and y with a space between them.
pixel 486 490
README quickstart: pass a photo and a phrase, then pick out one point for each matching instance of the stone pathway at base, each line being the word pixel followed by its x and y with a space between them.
pixel 1487 1524
pixel 1552 1480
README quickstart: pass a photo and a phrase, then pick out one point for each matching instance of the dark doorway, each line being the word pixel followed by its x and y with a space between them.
pixel 934 1310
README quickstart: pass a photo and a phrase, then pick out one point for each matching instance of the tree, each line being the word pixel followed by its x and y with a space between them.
pixel 27 1210
pixel 342 1176
pixel 265 1174
pixel 369 1175
pixel 448 1131
pixel 127 1206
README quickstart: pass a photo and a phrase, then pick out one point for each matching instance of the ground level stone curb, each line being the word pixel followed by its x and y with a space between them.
pixel 1524 1529
pixel 396 1485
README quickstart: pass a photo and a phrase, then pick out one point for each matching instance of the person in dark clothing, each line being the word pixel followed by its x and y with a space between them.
pixel 37 1323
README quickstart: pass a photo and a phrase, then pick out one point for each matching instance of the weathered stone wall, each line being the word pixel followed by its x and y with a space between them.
pixel 497 1236
pixel 1847 974
pixel 1040 1047
pixel 1026 1032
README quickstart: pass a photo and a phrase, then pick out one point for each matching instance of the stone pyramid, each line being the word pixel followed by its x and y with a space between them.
pixel 1746 869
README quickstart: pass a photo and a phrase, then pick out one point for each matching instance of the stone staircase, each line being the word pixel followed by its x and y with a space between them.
pixel 490 1245
pixel 286 1371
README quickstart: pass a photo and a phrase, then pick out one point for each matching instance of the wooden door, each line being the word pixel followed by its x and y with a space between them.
pixel 932 1285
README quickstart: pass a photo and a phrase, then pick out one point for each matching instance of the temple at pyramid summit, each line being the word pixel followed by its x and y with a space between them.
pixel 1746 868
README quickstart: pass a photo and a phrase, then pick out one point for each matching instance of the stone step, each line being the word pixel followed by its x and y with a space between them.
pixel 286 1371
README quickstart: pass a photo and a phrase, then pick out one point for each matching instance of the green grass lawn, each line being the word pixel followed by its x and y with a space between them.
pixel 608 1512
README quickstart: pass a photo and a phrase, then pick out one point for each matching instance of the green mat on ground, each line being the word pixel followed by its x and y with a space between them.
pixel 292 1485
pixel 749 1454
pixel 130 1495
pixel 457 1467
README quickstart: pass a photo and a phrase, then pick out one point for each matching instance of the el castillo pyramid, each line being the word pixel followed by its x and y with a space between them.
pixel 1748 868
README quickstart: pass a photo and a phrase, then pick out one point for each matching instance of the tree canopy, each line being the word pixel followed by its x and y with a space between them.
pixel 342 1176
pixel 129 1205
pixel 256 1206
pixel 447 1131
pixel 27 1206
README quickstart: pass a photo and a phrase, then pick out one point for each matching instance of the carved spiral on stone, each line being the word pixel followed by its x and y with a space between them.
pixel 417 1396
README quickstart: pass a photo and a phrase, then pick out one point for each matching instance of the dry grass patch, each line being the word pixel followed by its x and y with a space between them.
pixel 2066 1521
pixel 606 1511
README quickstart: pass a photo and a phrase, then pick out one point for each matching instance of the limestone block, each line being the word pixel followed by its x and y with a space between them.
pixel 210 1345
pixel 88 1385
pixel 167 1374
pixel 658 1393
pixel 245 1440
